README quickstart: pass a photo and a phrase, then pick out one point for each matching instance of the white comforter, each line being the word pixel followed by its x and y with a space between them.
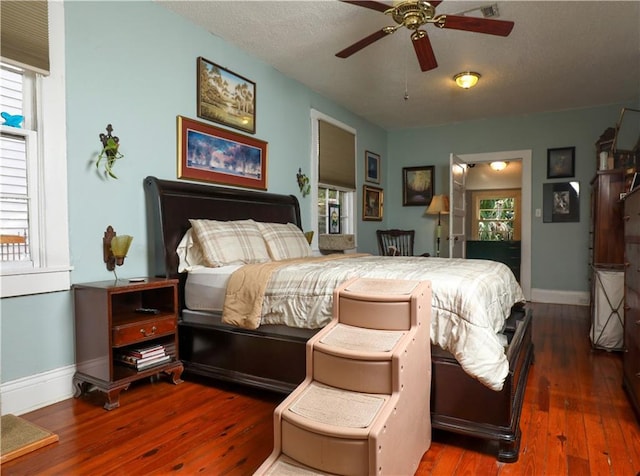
pixel 471 300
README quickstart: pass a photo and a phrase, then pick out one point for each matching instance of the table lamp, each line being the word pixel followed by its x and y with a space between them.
pixel 439 205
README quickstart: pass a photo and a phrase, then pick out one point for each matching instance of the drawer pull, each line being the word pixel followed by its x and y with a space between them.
pixel 153 331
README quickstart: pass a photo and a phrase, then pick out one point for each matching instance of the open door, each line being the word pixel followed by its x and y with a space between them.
pixel 457 237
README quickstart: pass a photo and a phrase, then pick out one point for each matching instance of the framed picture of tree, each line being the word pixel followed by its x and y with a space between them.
pixel 226 97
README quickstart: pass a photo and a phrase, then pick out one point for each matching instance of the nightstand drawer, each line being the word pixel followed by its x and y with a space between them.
pixel 132 332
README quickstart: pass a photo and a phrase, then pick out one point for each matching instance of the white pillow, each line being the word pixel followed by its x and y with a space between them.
pixel 230 242
pixel 189 253
pixel 284 241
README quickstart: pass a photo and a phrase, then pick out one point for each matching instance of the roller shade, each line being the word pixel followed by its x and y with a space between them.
pixel 336 152
pixel 24 34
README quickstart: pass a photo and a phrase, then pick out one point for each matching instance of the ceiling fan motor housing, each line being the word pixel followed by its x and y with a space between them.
pixel 412 14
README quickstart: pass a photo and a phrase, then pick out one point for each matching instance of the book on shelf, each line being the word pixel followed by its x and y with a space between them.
pixel 140 364
pixel 153 362
pixel 147 351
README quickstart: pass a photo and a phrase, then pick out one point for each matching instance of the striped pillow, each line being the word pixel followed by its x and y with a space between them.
pixel 230 242
pixel 284 241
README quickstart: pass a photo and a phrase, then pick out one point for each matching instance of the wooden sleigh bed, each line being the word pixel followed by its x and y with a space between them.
pixel 272 357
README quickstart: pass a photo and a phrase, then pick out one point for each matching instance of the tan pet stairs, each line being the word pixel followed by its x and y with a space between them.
pixel 363 407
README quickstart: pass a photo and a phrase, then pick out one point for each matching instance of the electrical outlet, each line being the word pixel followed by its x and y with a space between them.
pixel 538 213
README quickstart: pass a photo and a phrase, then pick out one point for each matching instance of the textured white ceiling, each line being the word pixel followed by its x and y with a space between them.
pixel 560 55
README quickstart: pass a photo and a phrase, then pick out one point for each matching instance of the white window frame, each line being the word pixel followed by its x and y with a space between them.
pixel 349 223
pixel 52 269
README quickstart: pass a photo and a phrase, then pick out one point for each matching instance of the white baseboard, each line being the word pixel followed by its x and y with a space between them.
pixel 576 298
pixel 37 391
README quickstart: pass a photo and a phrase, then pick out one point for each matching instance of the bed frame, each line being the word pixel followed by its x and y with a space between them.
pixel 273 357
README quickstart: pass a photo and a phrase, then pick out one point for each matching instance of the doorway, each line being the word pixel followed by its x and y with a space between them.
pixel 524 156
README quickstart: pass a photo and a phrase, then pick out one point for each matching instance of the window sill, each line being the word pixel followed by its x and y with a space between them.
pixel 36 281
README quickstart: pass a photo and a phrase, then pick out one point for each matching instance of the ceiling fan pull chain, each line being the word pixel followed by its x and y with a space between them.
pixel 406 81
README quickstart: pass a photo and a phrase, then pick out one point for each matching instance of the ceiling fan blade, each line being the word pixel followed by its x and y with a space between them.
pixel 424 51
pixel 478 25
pixel 357 46
pixel 381 7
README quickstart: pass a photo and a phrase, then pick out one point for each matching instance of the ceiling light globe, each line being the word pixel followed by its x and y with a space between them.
pixel 466 80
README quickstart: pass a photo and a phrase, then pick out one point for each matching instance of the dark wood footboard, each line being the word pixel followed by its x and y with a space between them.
pixel 463 405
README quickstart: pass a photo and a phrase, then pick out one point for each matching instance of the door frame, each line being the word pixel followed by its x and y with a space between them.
pixel 525 157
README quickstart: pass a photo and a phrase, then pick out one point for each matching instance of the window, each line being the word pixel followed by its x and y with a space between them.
pixel 496 215
pixel 18 163
pixel 333 172
pixel 33 170
pixel 332 196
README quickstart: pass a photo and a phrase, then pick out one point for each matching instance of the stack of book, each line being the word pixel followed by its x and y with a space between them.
pixel 143 357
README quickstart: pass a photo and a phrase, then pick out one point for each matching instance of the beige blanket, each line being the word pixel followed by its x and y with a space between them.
pixel 247 285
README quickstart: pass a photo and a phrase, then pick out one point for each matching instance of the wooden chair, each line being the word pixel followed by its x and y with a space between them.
pixel 395 242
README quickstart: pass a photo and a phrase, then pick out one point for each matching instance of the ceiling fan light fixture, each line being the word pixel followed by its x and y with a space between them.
pixel 467 79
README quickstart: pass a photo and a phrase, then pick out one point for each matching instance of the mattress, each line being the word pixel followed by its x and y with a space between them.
pixel 205 287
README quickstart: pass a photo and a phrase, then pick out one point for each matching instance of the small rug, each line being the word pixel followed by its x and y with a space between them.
pixel 19 437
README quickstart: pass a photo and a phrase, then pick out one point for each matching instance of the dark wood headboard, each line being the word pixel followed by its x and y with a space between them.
pixel 170 205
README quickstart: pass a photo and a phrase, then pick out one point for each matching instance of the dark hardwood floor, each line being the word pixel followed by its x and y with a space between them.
pixel 576 420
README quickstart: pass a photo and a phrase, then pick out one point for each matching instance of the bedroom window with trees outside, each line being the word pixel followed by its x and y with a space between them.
pixel 497 215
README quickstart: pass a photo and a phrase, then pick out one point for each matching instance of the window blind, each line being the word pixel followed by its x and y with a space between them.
pixel 24 34
pixel 336 156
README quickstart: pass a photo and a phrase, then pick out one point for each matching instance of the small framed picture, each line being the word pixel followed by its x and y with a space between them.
pixel 371 167
pixel 561 202
pixel 334 218
pixel 371 203
pixel 417 185
pixel 635 181
pixel 561 162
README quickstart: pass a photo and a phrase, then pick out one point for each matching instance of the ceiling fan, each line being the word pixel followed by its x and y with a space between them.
pixel 413 14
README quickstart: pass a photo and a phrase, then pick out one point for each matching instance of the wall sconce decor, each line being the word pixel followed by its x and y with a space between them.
pixel 303 183
pixel 109 151
pixel 115 248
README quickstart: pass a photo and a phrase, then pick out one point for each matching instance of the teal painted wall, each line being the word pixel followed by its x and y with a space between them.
pixel 559 250
pixel 133 64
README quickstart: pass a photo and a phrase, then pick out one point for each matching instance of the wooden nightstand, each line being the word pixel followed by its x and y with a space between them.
pixel 115 318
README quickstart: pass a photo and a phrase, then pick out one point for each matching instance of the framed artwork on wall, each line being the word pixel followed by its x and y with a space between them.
pixel 371 167
pixel 372 203
pixel 226 97
pixel 561 202
pixel 417 185
pixel 334 218
pixel 210 154
pixel 561 162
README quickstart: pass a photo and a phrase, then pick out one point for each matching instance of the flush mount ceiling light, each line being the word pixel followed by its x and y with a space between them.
pixel 498 165
pixel 466 80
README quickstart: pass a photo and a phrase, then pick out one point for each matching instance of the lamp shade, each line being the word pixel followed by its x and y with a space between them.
pixel 120 245
pixel 439 204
